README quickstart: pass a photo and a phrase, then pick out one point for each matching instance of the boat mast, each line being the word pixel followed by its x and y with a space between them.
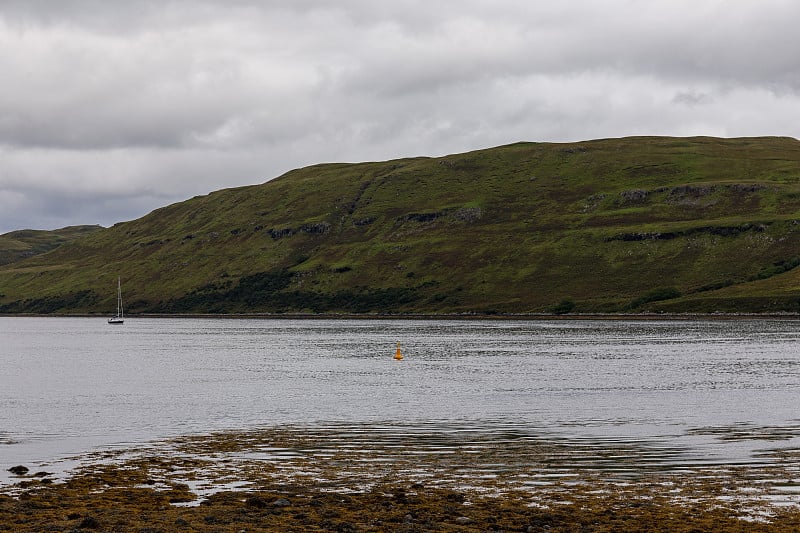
pixel 119 297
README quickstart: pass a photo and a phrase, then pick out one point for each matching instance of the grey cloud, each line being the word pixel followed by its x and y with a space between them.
pixel 157 101
pixel 54 210
pixel 692 98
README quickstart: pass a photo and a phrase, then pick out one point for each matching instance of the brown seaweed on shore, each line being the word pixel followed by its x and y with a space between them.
pixel 290 480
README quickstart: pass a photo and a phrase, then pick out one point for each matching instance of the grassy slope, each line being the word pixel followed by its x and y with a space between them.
pixel 517 228
pixel 18 245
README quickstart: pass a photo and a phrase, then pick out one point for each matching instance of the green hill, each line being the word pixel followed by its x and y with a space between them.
pixel 21 244
pixel 616 225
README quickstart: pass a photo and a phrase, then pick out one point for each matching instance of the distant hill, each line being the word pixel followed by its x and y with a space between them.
pixel 21 244
pixel 615 225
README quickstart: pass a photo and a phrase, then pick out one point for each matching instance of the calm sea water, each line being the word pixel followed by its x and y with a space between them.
pixel 702 391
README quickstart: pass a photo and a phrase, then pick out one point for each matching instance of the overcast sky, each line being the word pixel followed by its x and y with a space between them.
pixel 110 109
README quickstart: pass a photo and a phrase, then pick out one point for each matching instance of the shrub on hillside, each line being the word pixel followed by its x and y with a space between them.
pixel 657 295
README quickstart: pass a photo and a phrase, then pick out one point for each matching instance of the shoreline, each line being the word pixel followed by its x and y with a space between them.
pixel 425 316
pixel 289 479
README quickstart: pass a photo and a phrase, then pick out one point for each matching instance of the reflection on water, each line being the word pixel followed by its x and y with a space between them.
pixel 658 393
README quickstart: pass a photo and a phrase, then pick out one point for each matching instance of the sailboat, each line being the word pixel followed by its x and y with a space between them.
pixel 118 318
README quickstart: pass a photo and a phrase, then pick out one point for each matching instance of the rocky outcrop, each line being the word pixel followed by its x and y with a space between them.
pixel 722 231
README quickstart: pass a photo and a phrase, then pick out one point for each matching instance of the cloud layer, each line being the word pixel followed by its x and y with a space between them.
pixel 109 110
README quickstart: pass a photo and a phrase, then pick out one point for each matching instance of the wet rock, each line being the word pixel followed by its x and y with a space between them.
pixel 281 502
pixel 18 470
pixel 257 502
pixel 42 474
pixel 462 520
pixel 89 522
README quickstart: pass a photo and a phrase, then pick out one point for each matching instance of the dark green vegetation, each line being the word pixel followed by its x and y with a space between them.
pixel 618 225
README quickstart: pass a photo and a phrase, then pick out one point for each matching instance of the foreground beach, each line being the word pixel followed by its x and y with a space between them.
pixel 336 479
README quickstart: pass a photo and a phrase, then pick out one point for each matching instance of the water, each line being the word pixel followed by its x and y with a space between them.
pixel 691 392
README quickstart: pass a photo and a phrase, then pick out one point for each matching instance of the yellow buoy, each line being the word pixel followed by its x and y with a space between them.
pixel 398 355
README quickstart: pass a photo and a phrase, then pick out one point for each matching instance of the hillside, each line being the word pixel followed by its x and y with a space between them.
pixel 21 244
pixel 616 225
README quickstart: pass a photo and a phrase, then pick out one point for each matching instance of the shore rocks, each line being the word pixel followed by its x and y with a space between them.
pixel 89 522
pixel 18 470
